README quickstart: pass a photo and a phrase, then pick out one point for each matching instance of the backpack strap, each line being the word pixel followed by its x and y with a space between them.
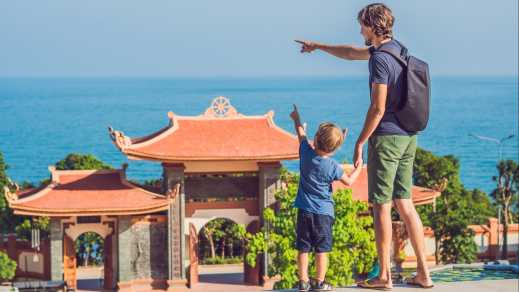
pixel 401 56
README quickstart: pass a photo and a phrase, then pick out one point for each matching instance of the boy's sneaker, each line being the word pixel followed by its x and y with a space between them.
pixel 303 286
pixel 321 286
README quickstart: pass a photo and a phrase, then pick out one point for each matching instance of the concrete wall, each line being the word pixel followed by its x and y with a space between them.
pixel 30 262
pixel 486 238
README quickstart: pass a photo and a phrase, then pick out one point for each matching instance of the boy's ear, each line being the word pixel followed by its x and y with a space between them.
pixel 344 132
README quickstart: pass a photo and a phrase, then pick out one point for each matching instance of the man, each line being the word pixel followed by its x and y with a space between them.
pixel 391 149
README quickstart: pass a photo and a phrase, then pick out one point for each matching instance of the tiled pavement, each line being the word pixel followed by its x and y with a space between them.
pixel 229 279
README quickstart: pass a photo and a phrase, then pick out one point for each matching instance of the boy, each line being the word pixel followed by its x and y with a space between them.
pixel 315 216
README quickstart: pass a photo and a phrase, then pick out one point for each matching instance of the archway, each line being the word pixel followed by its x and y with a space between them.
pixel 89 249
pixel 220 252
pixel 88 261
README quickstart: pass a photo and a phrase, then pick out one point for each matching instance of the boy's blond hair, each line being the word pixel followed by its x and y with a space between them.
pixel 328 137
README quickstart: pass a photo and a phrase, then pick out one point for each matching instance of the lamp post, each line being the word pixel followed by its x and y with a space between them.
pixel 499 143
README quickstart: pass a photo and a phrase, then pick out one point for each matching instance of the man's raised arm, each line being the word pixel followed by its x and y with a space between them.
pixel 341 51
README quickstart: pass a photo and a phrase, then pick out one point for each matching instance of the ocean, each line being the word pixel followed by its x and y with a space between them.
pixel 44 119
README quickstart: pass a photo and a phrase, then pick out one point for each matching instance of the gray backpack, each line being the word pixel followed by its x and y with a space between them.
pixel 412 112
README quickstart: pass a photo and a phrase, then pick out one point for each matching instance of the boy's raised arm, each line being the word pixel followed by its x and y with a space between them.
pixel 300 130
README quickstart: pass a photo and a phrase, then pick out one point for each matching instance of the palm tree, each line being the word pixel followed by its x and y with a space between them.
pixel 505 193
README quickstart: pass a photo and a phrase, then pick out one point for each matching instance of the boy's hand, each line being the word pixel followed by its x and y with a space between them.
pixel 295 114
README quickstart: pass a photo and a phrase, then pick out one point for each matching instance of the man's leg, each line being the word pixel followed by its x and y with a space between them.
pixel 302 266
pixel 406 209
pixel 383 232
pixel 321 262
pixel 383 157
pixel 414 227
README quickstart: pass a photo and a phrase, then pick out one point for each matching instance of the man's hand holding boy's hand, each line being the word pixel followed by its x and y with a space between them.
pixel 357 155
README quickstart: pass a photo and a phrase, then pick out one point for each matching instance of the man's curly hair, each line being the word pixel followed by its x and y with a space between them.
pixel 379 18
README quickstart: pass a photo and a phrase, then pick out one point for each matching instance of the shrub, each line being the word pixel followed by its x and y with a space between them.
pixel 7 267
pixel 353 250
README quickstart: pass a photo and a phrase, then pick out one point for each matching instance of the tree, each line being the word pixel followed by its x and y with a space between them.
pixel 455 210
pixel 505 194
pixel 353 251
pixel 7 267
pixel 8 221
pixel 235 232
pixel 213 232
pixel 89 249
pixel 75 161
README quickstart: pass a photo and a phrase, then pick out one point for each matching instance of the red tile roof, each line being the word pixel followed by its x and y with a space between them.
pixel 87 192
pixel 420 195
pixel 213 137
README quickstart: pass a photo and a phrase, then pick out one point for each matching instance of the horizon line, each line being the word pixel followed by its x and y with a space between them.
pixel 230 76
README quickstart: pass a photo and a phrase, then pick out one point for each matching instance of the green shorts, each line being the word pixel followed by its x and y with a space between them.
pixel 390 167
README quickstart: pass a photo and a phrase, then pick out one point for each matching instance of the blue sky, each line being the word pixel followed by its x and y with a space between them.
pixel 243 38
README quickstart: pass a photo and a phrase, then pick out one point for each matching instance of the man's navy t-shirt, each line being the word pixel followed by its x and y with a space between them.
pixel 384 69
pixel 314 194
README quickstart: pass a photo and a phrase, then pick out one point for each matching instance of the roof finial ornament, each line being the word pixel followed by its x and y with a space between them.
pixel 11 196
pixel 221 108
pixel 119 138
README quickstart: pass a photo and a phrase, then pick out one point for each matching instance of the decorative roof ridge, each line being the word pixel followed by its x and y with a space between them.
pixel 13 199
pixel 270 118
pixel 24 210
pixel 56 173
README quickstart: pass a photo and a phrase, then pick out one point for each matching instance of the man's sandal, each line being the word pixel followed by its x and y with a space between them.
pixel 367 284
pixel 412 282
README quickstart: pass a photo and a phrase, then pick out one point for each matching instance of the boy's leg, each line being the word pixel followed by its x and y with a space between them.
pixel 321 262
pixel 302 266
pixel 303 242
pixel 323 245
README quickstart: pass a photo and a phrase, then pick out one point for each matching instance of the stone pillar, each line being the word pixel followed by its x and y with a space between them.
pixel 251 275
pixel 124 250
pixel 56 250
pixel 45 250
pixel 173 175
pixel 269 184
pixel 11 247
pixel 493 248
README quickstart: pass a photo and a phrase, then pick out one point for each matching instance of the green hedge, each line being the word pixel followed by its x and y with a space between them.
pixel 7 267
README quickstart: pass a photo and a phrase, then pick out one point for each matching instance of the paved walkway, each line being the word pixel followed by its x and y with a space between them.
pixel 229 278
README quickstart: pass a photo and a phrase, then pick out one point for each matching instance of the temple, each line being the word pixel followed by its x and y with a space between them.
pixel 220 164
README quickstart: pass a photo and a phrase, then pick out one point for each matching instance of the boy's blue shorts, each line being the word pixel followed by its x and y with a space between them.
pixel 314 232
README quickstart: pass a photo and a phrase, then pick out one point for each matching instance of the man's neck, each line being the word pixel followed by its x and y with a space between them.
pixel 380 41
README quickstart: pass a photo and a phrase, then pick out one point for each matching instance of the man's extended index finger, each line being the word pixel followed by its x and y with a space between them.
pixel 295 107
pixel 301 42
